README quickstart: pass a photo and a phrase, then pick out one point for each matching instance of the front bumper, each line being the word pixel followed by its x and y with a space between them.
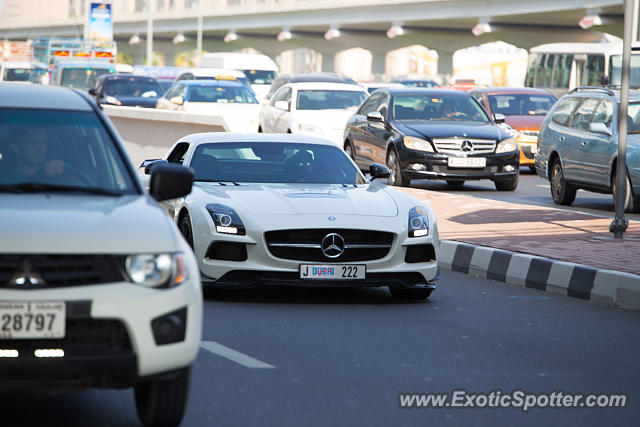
pixel 421 165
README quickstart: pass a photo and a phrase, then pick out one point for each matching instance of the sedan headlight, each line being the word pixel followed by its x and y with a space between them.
pixel 226 219
pixel 112 100
pixel 156 270
pixel 507 146
pixel 414 143
pixel 418 222
pixel 309 128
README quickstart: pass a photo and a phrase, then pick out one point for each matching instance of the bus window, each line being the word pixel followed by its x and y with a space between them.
pixel 615 68
pixel 534 61
pixel 562 71
pixel 543 76
pixel 594 71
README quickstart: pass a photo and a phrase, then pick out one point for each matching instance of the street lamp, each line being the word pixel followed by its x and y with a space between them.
pixel 179 38
pixel 231 36
pixel 481 27
pixel 332 33
pixel 395 30
pixel 591 19
pixel 285 34
pixel 135 39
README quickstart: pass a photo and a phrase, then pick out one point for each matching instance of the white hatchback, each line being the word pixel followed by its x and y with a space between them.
pixel 97 286
pixel 318 109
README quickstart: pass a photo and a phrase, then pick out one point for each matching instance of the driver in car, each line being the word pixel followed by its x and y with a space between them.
pixel 32 164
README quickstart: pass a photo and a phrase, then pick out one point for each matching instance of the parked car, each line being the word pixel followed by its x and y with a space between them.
pixel 213 74
pixel 15 71
pixel 97 286
pixel 127 90
pixel 432 134
pixel 415 82
pixel 524 110
pixel 232 100
pixel 283 79
pixel 578 145
pixel 372 87
pixel 295 210
pixel 319 109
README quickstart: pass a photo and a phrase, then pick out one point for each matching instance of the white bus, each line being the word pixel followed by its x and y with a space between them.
pixel 560 67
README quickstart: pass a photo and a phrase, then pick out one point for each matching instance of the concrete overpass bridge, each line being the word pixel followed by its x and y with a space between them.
pixel 443 25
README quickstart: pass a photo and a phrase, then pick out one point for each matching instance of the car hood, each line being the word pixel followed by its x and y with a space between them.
pixel 302 199
pixel 454 129
pixel 334 119
pixel 524 122
pixel 72 224
pixel 137 101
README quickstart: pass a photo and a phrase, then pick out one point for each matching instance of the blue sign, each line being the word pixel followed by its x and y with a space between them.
pixel 100 22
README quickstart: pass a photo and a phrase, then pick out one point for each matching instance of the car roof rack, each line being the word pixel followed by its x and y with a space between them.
pixel 600 88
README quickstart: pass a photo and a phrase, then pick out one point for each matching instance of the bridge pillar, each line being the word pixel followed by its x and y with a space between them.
pixel 328 62
pixel 445 64
pixel 378 65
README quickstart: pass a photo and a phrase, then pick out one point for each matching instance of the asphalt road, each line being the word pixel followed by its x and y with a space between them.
pixel 532 190
pixel 319 357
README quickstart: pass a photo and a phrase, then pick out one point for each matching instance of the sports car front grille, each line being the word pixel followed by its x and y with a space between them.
pixel 54 271
pixel 306 244
pixel 454 145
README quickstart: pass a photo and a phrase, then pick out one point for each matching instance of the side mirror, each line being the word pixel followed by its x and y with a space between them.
pixel 378 170
pixel 148 165
pixel 375 116
pixel 178 100
pixel 499 118
pixel 170 181
pixel 599 127
pixel 282 105
pixel 93 91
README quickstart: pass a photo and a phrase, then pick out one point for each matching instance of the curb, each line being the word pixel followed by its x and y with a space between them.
pixel 545 274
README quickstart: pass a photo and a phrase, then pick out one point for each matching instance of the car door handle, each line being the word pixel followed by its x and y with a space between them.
pixel 561 139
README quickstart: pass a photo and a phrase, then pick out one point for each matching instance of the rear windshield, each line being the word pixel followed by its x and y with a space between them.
pixel 133 86
pixel 260 77
pixel 329 100
pixel 83 77
pixel 521 104
pixel 16 74
pixel 221 94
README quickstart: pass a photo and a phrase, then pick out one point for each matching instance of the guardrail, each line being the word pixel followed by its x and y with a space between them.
pixel 148 133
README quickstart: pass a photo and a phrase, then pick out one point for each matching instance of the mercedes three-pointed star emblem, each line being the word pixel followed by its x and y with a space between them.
pixel 333 245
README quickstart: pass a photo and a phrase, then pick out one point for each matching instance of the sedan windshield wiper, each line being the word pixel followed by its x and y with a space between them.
pixel 221 182
pixel 34 187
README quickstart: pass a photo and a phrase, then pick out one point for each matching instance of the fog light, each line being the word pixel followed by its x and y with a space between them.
pixel 418 166
pixel 170 328
pixel 49 352
pixel 8 353
pixel 509 168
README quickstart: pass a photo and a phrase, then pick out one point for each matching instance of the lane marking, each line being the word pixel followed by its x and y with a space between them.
pixel 235 356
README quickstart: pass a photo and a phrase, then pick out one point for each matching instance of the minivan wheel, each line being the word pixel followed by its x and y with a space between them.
pixel 562 192
pixel 509 184
pixel 161 403
pixel 348 149
pixel 395 177
pixel 186 230
pixel 631 201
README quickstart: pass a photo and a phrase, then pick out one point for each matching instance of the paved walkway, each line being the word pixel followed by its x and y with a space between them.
pixel 548 232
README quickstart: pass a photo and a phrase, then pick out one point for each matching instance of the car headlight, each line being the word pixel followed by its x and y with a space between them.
pixel 507 146
pixel 226 219
pixel 414 143
pixel 305 127
pixel 156 270
pixel 418 222
pixel 112 100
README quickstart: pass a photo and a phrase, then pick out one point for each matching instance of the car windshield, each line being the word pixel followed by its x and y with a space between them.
pixel 274 162
pixel 59 149
pixel 440 107
pixel 144 87
pixel 521 104
pixel 419 83
pixel 16 74
pixel 329 100
pixel 82 77
pixel 165 84
pixel 260 77
pixel 634 117
pixel 221 94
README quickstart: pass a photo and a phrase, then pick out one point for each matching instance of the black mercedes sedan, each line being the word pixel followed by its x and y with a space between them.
pixel 127 90
pixel 428 133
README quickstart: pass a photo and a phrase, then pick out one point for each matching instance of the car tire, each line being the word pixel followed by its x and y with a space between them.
pixel 509 184
pixel 161 403
pixel 562 192
pixel 631 201
pixel 396 177
pixel 455 184
pixel 348 149
pixel 186 229
pixel 410 294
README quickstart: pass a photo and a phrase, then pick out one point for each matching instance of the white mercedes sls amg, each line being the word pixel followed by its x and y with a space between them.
pixel 282 209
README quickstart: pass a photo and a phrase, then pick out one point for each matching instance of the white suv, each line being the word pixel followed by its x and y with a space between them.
pixel 97 286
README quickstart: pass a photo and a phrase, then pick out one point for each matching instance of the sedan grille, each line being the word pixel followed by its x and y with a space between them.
pixel 320 245
pixel 54 271
pixel 455 146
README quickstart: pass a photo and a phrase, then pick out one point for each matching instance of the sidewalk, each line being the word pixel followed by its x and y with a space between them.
pixel 574 238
